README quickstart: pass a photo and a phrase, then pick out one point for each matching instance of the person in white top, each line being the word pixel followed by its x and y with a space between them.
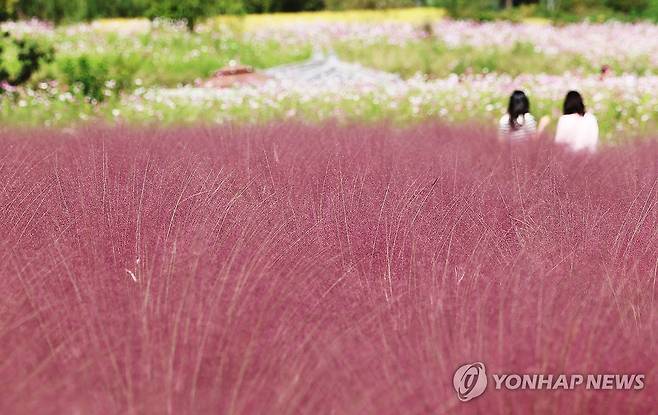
pixel 577 128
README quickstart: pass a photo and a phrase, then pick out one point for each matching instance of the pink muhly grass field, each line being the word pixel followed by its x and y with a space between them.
pixel 291 269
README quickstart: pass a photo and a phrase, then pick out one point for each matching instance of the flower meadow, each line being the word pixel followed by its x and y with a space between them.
pixel 601 43
pixel 289 268
pixel 453 71
pixel 626 106
pixel 605 42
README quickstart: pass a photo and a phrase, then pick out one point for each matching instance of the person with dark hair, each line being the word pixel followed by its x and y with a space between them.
pixel 577 128
pixel 517 123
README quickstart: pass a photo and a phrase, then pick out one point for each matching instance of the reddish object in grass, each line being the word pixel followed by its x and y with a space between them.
pixel 236 75
pixel 320 269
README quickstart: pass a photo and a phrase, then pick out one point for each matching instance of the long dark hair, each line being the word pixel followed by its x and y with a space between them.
pixel 518 105
pixel 573 103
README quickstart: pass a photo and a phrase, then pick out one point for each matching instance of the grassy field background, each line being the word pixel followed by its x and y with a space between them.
pixel 124 70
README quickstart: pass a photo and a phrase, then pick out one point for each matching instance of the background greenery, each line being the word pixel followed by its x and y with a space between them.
pixel 117 70
pixel 193 10
pixel 559 10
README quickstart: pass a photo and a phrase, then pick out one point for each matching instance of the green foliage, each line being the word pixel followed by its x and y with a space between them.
pixel 628 6
pixel 235 7
pixel 190 11
pixel 168 58
pixel 367 4
pixel 118 8
pixel 194 10
pixel 28 56
pixel 87 76
pixel 652 10
pixel 436 60
pixel 7 9
pixel 75 10
pixel 98 79
pixel 52 10
pixel 482 10
pixel 558 10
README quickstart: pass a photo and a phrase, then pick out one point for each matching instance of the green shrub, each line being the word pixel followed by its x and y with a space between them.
pixel 20 59
pixel 558 10
pixel 235 7
pixel 86 76
pixel 367 4
pixel 652 10
pixel 7 9
pixel 482 10
pixel 73 10
pixel 52 10
pixel 109 8
pixel 98 79
pixel 628 6
pixel 191 11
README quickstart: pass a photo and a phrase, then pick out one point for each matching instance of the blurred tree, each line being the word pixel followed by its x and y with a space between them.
pixel 189 10
pixel 193 10
pixel 268 6
pixel 7 9
pixel 29 58
pixel 53 10
pixel 652 9
pixel 367 4
pixel 628 6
